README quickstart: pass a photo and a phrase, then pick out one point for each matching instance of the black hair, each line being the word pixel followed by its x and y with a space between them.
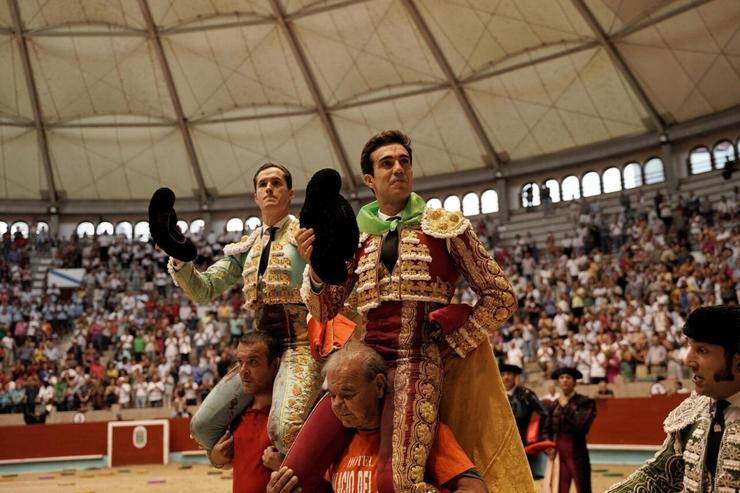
pixel 274 345
pixel 379 140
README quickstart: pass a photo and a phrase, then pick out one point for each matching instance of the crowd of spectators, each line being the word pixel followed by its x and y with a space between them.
pixel 609 299
pixel 125 336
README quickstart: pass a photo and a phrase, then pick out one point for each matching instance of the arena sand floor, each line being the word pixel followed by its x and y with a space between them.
pixel 175 478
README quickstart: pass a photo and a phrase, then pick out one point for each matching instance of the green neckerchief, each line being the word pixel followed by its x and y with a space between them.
pixel 369 222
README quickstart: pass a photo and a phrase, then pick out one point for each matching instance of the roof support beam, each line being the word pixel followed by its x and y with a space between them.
pixel 313 87
pixel 493 160
pixel 317 8
pixel 617 59
pixel 182 122
pixel 38 115
pixel 474 179
pixel 644 23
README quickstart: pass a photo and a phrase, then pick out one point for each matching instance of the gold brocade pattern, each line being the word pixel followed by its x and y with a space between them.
pixel 274 286
pixel 413 439
pixel 440 223
pixel 411 279
pixel 401 393
pixel 297 385
pixel 497 298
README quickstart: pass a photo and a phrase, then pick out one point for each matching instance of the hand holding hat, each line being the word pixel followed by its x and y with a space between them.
pixel 164 230
pixel 333 221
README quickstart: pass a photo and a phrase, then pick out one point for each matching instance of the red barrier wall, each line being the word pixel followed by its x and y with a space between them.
pixel 627 421
pixel 632 421
pixel 125 452
pixel 60 440
pixel 53 440
pixel 180 440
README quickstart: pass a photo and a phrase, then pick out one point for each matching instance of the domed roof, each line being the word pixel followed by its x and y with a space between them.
pixel 110 99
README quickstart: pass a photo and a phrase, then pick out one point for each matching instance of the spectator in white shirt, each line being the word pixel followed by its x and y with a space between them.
pixel 582 360
pixel 155 392
pixel 191 389
pixel 515 355
pixel 124 392
pixel 140 391
pixel 185 372
pixel 657 357
pixel 598 365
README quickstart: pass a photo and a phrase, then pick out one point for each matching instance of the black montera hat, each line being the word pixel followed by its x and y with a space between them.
pixel 516 370
pixel 718 325
pixel 334 226
pixel 567 370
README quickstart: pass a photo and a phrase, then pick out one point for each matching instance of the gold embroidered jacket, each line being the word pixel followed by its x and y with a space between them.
pixel 280 283
pixel 679 464
pixel 432 257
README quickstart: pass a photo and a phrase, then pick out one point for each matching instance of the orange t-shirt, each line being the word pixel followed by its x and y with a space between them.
pixel 356 470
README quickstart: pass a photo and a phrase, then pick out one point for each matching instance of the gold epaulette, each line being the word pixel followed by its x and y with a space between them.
pixel 686 412
pixel 243 245
pixel 440 223
pixel 293 228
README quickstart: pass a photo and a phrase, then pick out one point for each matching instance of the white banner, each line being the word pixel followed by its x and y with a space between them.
pixel 64 278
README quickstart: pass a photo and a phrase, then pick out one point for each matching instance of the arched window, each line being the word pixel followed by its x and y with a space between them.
pixel 452 203
pixel 19 227
pixel 183 225
pixel 42 226
pixel 723 151
pixel 612 180
pixel 530 195
pixel 434 203
pixel 632 176
pixel 654 171
pixel 700 161
pixel 234 225
pixel 571 188
pixel 197 226
pixel 591 184
pixel 141 231
pixel 470 204
pixel 85 228
pixel 489 202
pixel 253 223
pixel 104 228
pixel 553 186
pixel 124 228
pixel 3 227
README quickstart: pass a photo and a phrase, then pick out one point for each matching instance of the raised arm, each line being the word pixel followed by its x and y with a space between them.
pixel 202 287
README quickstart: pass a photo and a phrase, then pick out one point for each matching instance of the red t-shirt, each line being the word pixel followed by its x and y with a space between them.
pixel 356 470
pixel 250 440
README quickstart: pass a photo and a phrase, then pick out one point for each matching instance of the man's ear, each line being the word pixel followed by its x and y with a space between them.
pixel 381 384
pixel 736 366
pixel 275 365
pixel 369 179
